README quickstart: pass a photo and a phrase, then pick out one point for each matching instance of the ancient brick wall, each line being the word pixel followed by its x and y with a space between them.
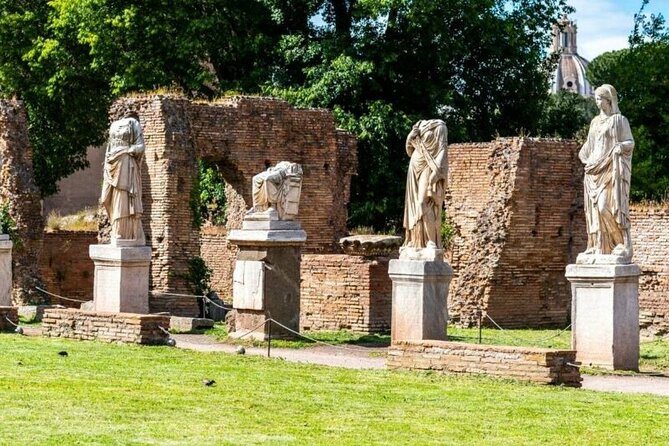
pixel 539 365
pixel 345 292
pixel 79 190
pixel 18 188
pixel 650 238
pixel 65 266
pixel 243 136
pixel 220 257
pixel 110 327
pixel 246 135
pixel 168 170
pixel 515 234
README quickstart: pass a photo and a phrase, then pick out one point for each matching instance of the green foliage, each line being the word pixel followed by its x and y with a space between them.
pixel 566 115
pixel 208 200
pixel 199 276
pixel 447 230
pixel 640 74
pixel 8 225
pixel 383 65
pixel 68 59
pixel 379 65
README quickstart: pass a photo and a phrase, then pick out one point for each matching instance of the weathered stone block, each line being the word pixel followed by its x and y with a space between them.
pixel 420 291
pixel 5 270
pixel 605 315
pixel 121 278
pixel 185 324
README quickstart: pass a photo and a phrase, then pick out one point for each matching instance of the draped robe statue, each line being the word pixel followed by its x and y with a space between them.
pixel 607 155
pixel 426 183
pixel 278 189
pixel 122 187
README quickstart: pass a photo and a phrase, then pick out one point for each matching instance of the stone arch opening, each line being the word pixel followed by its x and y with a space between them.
pixel 240 135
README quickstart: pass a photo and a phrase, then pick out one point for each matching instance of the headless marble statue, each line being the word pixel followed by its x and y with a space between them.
pixel 607 155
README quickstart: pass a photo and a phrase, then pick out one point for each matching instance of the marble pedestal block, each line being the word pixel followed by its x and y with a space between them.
pixel 5 271
pixel 266 279
pixel 605 315
pixel 420 292
pixel 121 278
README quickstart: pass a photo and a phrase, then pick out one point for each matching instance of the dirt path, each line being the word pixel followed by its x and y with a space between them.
pixel 354 357
pixel 351 357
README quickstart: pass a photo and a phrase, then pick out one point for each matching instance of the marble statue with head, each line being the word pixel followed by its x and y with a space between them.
pixel 276 191
pixel 122 187
pixel 607 155
pixel 427 145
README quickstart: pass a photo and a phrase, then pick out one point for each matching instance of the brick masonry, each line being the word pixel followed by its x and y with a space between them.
pixel 10 313
pixel 65 266
pixel 243 136
pixel 516 206
pixel 18 188
pixel 544 366
pixel 650 238
pixel 345 292
pixel 110 327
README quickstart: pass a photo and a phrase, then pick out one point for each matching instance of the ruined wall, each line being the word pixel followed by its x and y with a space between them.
pixel 220 257
pixel 65 266
pixel 79 190
pixel 168 169
pixel 18 188
pixel 243 136
pixel 514 240
pixel 345 292
pixel 650 238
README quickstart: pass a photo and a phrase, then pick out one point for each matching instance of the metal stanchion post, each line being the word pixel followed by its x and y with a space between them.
pixel 269 336
pixel 480 328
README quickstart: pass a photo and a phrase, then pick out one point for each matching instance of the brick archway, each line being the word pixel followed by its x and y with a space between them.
pixel 243 135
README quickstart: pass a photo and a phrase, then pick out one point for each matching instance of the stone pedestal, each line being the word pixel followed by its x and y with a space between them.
pixel 605 314
pixel 5 271
pixel 121 278
pixel 266 279
pixel 420 291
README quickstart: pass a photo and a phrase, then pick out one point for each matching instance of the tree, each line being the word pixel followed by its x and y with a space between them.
pixel 641 76
pixel 381 65
pixel 68 59
pixel 566 115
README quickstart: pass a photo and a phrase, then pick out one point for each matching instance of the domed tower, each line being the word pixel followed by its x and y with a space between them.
pixel 570 73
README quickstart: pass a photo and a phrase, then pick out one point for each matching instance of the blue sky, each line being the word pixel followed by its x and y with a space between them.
pixel 604 25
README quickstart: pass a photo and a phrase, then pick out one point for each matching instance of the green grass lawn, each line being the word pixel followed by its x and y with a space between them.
pixel 119 394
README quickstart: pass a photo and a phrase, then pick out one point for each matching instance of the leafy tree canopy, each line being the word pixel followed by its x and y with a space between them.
pixel 68 59
pixel 381 65
pixel 640 74
pixel 566 115
pixel 378 64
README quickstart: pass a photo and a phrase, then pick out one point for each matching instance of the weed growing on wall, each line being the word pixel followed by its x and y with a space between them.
pixel 208 201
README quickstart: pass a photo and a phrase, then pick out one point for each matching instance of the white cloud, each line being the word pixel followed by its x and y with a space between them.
pixel 603 25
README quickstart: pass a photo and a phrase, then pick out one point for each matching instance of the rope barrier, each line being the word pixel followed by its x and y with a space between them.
pixel 206 298
pixel 17 328
pixel 223 307
pixel 343 347
pixel 60 297
pixel 160 293
pixel 253 329
pixel 539 341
